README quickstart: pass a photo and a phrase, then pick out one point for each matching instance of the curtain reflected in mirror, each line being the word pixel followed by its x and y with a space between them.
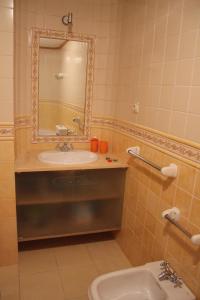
pixel 62 86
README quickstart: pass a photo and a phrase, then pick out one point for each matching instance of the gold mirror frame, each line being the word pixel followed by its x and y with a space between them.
pixel 54 34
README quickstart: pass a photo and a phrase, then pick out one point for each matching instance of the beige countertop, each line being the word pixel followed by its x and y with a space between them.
pixel 30 163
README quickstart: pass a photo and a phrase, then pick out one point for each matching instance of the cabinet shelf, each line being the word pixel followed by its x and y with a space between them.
pixel 64 203
pixel 69 198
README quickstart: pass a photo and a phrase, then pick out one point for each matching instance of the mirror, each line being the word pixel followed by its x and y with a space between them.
pixel 62 85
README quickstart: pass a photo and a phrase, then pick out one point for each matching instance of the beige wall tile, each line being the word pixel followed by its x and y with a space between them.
pixel 172 47
pixel 178 124
pixel 192 128
pixel 196 73
pixel 162 119
pixel 7 114
pixel 6 88
pixel 166 97
pixel 187 177
pixel 8 231
pixel 6 46
pixel 197 185
pixel 187 42
pixel 7 207
pixel 6 3
pixel 183 201
pixel 194 103
pixel 174 19
pixel 184 72
pixel 6 15
pixel 168 56
pixel 169 74
pixel 191 11
pixel 180 98
pixel 194 217
pixel 7 155
pixel 8 241
pixel 6 70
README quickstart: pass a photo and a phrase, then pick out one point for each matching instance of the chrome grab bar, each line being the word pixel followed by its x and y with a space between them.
pixel 150 163
pixel 172 215
pixel 169 171
pixel 185 231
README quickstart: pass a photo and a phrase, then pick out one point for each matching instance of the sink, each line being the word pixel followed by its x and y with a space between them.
pixel 139 283
pixel 67 158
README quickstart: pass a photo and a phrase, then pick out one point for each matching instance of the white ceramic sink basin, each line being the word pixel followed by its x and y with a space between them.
pixel 65 158
pixel 138 283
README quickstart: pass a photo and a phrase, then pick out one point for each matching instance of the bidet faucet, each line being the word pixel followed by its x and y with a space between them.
pixel 169 274
pixel 64 147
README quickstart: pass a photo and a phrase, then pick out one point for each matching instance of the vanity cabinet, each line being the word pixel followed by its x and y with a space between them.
pixel 62 203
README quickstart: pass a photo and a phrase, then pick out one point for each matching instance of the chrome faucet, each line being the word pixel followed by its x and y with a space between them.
pixel 169 274
pixel 78 121
pixel 64 147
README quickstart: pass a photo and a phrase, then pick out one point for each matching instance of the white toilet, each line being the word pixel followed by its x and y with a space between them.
pixel 140 283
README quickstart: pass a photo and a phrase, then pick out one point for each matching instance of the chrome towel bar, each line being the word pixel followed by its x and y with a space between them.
pixel 169 171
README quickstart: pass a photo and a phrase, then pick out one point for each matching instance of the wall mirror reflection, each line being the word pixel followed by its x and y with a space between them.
pixel 62 89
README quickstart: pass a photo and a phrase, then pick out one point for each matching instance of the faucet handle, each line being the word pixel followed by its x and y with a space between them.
pixel 164 265
pixel 178 282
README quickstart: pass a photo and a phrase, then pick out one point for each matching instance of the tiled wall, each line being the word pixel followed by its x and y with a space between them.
pixel 6 61
pixel 160 65
pixel 159 68
pixel 8 245
pixel 145 236
pixel 8 235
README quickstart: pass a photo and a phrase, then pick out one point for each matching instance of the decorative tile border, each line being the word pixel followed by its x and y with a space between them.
pixel 179 148
pixel 23 122
pixel 6 131
pixel 169 144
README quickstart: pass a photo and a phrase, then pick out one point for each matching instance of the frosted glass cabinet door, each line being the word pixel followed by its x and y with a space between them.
pixel 69 202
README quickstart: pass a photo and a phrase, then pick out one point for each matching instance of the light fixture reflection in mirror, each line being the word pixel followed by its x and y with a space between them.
pixel 62 81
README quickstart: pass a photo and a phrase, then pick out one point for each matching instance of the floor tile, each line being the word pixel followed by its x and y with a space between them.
pixel 65 273
pixel 105 249
pixel 106 266
pixel 71 255
pixel 76 280
pixel 41 286
pixel 37 261
pixel 9 283
pixel 107 257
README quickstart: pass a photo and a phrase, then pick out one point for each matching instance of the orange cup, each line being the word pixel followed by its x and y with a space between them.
pixel 103 147
pixel 94 145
